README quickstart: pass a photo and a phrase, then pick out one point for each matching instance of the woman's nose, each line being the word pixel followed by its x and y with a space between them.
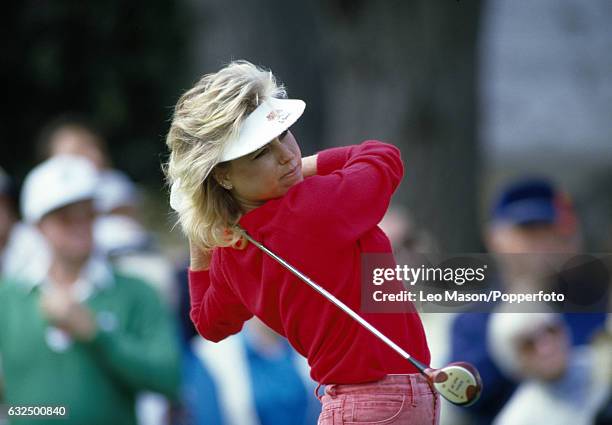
pixel 283 153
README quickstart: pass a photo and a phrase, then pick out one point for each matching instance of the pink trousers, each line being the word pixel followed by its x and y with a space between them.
pixel 396 399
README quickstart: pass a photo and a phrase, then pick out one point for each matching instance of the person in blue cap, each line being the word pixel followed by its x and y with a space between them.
pixel 532 216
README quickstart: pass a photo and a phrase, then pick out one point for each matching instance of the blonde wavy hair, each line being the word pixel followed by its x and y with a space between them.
pixel 205 118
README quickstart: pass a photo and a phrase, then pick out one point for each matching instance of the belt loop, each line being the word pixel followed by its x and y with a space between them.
pixel 316 392
pixel 331 390
pixel 413 387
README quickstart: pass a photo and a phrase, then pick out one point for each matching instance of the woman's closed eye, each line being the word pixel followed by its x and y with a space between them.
pixel 265 149
pixel 261 153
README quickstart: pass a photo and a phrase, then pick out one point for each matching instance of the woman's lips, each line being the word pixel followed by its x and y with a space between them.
pixel 291 172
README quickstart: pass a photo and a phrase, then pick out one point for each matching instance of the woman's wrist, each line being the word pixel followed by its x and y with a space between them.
pixel 309 165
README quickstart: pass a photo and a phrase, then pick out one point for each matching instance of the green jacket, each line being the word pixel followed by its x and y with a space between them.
pixel 134 349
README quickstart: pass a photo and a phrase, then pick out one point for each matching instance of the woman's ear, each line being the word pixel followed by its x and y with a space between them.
pixel 221 175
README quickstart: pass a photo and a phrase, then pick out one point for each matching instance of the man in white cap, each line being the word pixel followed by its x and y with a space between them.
pixel 103 336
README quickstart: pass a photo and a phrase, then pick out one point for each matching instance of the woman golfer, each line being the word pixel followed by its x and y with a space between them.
pixel 234 165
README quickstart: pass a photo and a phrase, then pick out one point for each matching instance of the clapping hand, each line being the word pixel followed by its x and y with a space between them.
pixel 63 311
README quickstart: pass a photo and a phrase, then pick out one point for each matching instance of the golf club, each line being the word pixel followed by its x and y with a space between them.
pixel 457 382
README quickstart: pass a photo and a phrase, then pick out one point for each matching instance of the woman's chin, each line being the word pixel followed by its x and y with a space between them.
pixel 289 181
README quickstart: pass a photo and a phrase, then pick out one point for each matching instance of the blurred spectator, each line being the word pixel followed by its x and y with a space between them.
pixel 199 396
pixel 603 348
pixel 67 134
pixel 405 237
pixel 8 216
pixel 260 379
pixel 187 330
pixel 73 134
pixel 119 234
pixel 559 384
pixel 18 241
pixel 7 221
pixel 118 231
pixel 84 336
pixel 530 219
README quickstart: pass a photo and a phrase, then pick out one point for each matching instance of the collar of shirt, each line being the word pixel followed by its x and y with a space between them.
pixel 95 276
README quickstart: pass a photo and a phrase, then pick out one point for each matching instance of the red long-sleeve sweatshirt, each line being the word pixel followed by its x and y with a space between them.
pixel 321 225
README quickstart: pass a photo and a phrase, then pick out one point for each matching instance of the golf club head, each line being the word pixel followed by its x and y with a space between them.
pixel 457 382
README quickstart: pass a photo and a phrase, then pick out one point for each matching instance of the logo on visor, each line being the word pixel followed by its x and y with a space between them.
pixel 278 115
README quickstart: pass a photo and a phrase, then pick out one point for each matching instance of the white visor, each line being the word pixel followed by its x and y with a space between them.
pixel 262 125
pixel 266 122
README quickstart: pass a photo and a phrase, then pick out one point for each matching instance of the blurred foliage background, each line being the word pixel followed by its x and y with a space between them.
pixel 121 63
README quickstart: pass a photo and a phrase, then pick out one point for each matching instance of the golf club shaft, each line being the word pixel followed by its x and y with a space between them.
pixel 421 367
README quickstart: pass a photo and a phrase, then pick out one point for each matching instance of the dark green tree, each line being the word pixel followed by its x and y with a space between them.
pixel 406 72
pixel 123 63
